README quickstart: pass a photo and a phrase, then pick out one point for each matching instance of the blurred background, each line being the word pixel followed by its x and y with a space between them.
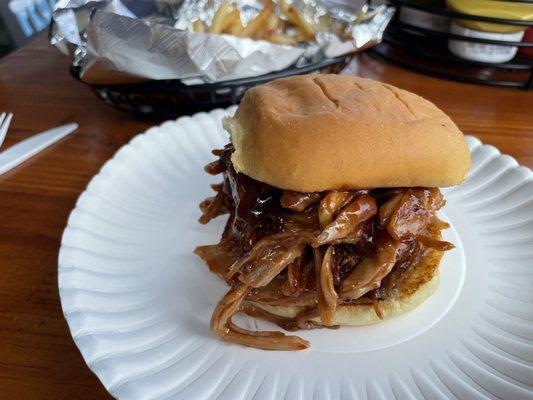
pixel 21 20
pixel 478 41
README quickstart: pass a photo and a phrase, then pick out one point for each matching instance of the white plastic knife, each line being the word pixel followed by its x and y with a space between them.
pixel 20 152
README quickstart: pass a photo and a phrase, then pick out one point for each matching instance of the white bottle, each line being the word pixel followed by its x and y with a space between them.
pixel 490 53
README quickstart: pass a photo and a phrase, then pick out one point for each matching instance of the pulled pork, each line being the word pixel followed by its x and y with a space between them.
pixel 313 251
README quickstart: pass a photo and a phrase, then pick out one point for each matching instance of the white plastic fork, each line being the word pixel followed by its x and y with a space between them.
pixel 5 121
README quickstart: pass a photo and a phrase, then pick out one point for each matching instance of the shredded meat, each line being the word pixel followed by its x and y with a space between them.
pixel 359 210
pixel 386 210
pixel 436 244
pixel 262 270
pixel 269 257
pixel 294 276
pixel 272 295
pixel 219 257
pixel 331 203
pixel 371 270
pixel 289 324
pixel 298 201
pixel 413 213
pixel 410 257
pixel 325 291
pixel 311 251
pixel 439 224
pixel 212 207
pixel 222 325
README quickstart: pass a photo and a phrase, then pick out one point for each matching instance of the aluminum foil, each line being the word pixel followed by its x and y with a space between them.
pixel 115 41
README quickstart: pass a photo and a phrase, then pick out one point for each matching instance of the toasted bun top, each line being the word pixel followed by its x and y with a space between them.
pixel 323 132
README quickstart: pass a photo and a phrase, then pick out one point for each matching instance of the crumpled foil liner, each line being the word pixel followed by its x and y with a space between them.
pixel 114 41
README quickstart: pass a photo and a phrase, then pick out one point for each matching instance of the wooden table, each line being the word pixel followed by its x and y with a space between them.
pixel 38 359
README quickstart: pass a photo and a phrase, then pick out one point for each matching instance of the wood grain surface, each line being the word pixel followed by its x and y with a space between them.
pixel 38 359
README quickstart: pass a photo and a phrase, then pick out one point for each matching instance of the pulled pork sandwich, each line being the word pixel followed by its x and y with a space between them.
pixel 331 184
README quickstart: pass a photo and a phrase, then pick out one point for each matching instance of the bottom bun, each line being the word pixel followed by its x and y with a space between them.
pixel 420 282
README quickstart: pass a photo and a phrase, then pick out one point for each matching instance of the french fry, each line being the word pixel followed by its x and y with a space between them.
pixel 282 25
pixel 266 25
pixel 302 23
pixel 298 19
pixel 260 33
pixel 365 14
pixel 300 36
pixel 198 26
pixel 269 28
pixel 218 19
pixel 273 22
pixel 284 7
pixel 255 24
pixel 237 28
pixel 280 38
pixel 232 20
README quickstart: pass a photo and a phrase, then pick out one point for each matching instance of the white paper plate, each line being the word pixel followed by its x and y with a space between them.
pixel 138 302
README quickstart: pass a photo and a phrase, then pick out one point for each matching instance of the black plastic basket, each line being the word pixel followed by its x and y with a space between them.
pixel 171 98
pixel 425 50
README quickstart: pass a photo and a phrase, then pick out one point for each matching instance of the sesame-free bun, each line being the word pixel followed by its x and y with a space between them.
pixel 419 283
pixel 323 132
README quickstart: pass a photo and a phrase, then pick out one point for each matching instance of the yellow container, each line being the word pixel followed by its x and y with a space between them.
pixel 490 53
pixel 494 9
